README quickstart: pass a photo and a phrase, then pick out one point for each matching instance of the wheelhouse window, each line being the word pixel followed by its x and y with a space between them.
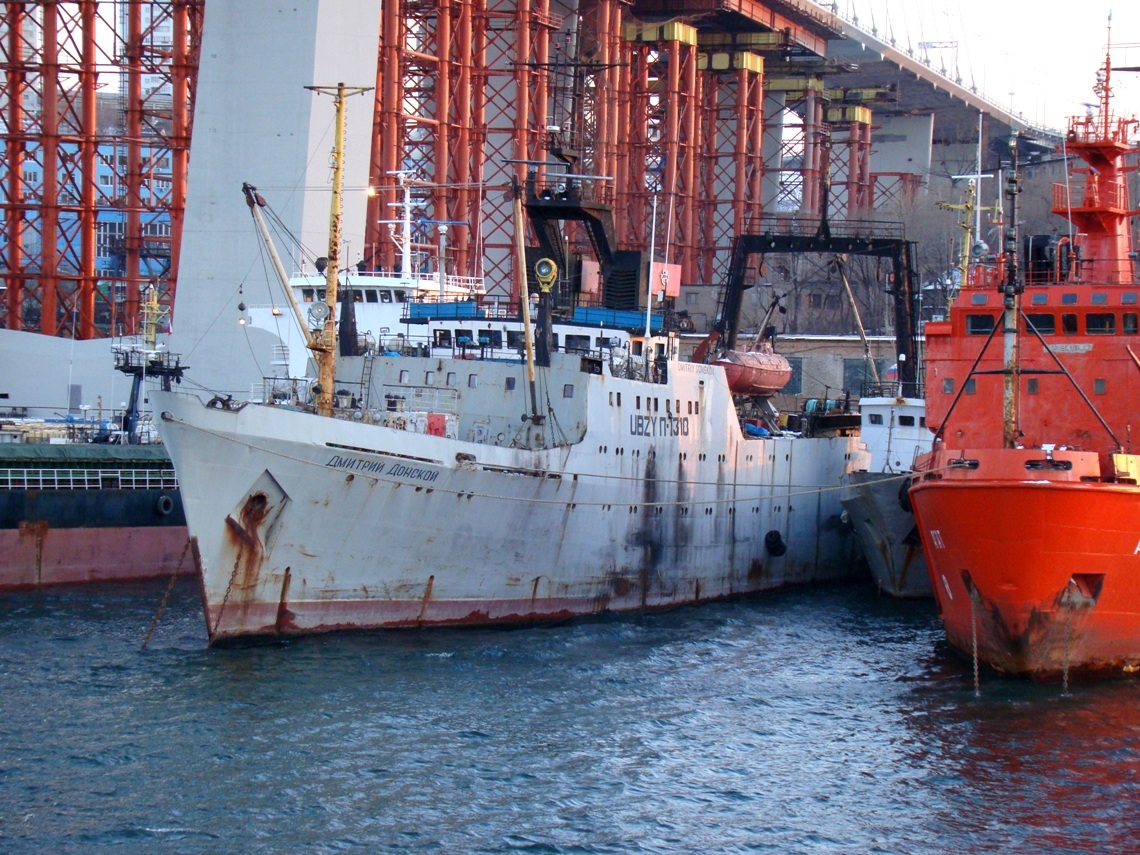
pixel 1128 325
pixel 906 421
pixel 1100 323
pixel 979 324
pixel 1044 324
pixel 443 338
pixel 1069 324
pixel 515 340
pixel 875 418
pixel 578 343
pixel 385 296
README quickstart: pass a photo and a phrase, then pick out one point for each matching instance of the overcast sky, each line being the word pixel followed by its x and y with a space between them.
pixel 1045 52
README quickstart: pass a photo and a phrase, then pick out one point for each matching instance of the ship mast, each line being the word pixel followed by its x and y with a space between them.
pixel 1011 289
pixel 324 348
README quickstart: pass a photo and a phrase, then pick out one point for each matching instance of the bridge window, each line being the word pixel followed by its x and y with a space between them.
pixel 1100 299
pixel 443 338
pixel 491 338
pixel 1069 324
pixel 979 324
pixel 1100 323
pixel 1128 298
pixel 906 421
pixel 515 340
pixel 1128 327
pixel 308 294
pixel 876 418
pixel 385 296
pixel 578 343
pixel 401 297
pixel 1068 299
pixel 1044 324
pixel 370 295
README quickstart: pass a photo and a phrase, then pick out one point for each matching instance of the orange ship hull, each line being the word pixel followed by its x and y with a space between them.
pixel 1034 565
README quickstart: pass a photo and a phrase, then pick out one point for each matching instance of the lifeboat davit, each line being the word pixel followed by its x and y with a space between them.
pixel 760 374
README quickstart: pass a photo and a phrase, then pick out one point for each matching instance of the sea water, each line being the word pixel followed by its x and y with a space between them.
pixel 811 720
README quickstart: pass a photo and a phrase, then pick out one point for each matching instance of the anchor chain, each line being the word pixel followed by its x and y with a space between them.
pixel 974 646
pixel 1068 643
pixel 166 596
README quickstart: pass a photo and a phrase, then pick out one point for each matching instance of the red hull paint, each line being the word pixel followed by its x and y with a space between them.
pixel 1044 571
pixel 36 556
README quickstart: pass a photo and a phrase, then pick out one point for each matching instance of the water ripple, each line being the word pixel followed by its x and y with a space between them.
pixel 815 721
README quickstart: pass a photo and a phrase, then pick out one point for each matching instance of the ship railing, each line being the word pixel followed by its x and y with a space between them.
pixel 88 479
pixel 799 226
pixel 282 391
pixel 427 399
pixel 912 389
pixel 1092 194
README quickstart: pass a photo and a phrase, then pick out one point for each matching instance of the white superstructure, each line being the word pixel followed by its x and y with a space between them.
pixel 894 432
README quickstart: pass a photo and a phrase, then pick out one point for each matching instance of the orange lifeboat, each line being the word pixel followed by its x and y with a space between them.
pixel 757 373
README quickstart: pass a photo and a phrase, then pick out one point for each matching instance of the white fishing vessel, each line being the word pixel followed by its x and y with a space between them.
pixel 893 428
pixel 463 483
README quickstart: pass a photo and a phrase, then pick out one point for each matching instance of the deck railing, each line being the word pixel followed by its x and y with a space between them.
pixel 88 479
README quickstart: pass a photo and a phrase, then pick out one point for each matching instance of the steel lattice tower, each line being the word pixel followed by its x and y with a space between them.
pixel 89 176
